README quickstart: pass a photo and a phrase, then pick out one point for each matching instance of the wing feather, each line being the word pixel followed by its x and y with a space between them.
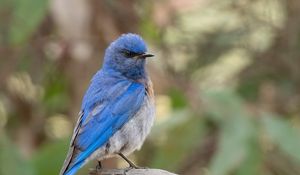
pixel 99 121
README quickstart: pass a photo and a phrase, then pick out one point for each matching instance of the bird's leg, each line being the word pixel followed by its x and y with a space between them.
pixel 131 164
pixel 99 166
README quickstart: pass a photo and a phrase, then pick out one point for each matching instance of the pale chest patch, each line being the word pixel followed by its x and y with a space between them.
pixel 132 135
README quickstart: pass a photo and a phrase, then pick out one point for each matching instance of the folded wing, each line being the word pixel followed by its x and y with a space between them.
pixel 100 120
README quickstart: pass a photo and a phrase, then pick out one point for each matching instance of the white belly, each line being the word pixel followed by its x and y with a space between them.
pixel 131 136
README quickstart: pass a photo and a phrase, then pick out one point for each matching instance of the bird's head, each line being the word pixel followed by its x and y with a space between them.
pixel 127 55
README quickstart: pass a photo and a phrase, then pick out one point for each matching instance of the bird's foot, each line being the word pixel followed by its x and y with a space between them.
pixel 127 169
pixel 99 166
pixel 131 164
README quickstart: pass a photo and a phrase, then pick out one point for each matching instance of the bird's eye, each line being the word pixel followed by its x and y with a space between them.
pixel 129 54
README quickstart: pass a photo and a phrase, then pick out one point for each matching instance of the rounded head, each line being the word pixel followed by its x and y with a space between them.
pixel 131 42
pixel 127 55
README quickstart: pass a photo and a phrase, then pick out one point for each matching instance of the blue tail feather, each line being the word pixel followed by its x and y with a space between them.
pixel 74 169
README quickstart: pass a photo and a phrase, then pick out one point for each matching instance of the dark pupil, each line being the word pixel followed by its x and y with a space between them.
pixel 129 54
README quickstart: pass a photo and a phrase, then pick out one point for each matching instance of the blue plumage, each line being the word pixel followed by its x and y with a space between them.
pixel 117 111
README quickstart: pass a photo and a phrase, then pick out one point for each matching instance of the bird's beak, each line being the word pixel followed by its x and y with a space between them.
pixel 145 55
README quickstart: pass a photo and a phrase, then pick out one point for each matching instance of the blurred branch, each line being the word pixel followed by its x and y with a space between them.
pixel 130 172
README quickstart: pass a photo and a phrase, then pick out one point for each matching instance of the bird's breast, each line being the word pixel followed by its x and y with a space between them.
pixel 132 135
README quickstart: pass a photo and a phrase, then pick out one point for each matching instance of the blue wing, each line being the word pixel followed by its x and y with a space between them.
pixel 104 113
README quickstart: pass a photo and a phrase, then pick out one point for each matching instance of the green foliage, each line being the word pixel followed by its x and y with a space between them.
pixel 49 158
pixel 177 98
pixel 147 26
pixel 238 146
pixel 11 161
pixel 149 30
pixel 252 163
pixel 223 105
pixel 181 133
pixel 239 150
pixel 283 134
pixel 26 16
pixel 55 91
pixel 249 89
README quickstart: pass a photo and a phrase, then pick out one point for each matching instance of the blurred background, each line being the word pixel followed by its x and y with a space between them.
pixel 226 77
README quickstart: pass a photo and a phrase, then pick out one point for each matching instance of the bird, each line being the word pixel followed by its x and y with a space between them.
pixel 118 108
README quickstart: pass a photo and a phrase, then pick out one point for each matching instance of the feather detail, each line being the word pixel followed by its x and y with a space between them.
pixel 97 124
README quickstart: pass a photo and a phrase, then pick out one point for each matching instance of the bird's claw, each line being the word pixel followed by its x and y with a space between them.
pixel 99 166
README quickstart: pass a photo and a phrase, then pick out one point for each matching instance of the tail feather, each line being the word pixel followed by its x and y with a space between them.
pixel 73 169
pixel 68 163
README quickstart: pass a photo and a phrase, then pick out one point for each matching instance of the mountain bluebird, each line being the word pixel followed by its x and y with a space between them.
pixel 117 110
